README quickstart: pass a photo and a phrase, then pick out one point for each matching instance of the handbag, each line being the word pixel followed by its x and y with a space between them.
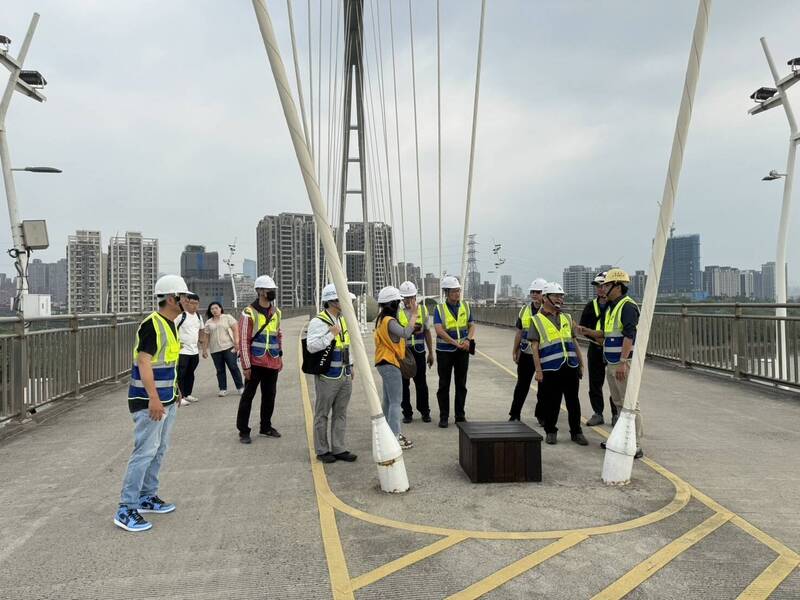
pixel 408 365
pixel 317 363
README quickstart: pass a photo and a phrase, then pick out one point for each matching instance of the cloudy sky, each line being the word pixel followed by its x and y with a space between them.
pixel 164 117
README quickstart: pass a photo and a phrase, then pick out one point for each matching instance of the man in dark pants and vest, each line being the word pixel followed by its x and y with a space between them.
pixel 417 344
pixel 592 318
pixel 523 353
pixel 455 334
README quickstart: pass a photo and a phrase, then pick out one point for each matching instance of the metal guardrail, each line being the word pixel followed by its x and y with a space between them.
pixel 45 359
pixel 746 341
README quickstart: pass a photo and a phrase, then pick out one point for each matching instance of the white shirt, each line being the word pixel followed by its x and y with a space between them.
pixel 318 335
pixel 189 332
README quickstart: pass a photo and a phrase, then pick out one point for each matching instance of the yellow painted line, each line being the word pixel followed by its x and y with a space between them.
pixel 681 499
pixel 645 569
pixel 337 565
pixel 405 561
pixel 495 580
pixel 763 585
pixel 747 527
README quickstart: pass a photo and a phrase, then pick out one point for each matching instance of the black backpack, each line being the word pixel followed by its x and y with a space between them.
pixel 317 363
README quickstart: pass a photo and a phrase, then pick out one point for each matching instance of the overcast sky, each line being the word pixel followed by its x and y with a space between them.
pixel 164 116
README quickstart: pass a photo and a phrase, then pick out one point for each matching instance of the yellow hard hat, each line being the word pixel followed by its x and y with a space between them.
pixel 617 276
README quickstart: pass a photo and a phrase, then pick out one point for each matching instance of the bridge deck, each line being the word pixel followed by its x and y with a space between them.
pixel 711 513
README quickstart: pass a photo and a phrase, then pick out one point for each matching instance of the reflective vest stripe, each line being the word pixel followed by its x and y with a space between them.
pixel 163 363
pixel 268 339
pixel 525 317
pixel 416 341
pixel 458 329
pixel 556 345
pixel 612 329
pixel 340 355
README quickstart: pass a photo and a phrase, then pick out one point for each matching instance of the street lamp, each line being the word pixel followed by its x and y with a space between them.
pixel 773 175
pixel 764 102
pixel 38 169
pixel 28 83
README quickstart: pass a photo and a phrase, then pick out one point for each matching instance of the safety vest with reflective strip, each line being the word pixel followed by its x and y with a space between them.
pixel 456 328
pixel 416 341
pixel 556 345
pixel 267 340
pixel 612 330
pixel 164 362
pixel 340 361
pixel 598 325
pixel 525 317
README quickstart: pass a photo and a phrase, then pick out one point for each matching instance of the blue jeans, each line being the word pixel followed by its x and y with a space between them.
pixel 392 395
pixel 221 359
pixel 150 443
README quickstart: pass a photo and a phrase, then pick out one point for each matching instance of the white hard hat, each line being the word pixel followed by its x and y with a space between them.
pixel 537 285
pixel 389 294
pixel 408 289
pixel 329 293
pixel 450 283
pixel 600 279
pixel 170 284
pixel 264 282
pixel 552 288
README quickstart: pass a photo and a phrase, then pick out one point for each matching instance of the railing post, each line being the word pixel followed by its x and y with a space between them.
pixel 686 343
pixel 115 352
pixel 739 346
pixel 19 390
pixel 75 334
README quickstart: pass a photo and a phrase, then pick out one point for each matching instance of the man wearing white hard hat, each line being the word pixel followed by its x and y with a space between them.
pixel 417 343
pixel 592 319
pixel 152 402
pixel 559 364
pixel 455 340
pixel 332 389
pixel 522 352
pixel 260 352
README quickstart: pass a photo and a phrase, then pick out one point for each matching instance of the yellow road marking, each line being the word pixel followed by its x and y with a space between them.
pixel 645 569
pixel 337 565
pixel 763 585
pixel 405 561
pixel 495 580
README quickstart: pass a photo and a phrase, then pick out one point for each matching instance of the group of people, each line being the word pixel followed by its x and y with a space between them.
pixel 165 357
pixel 170 340
pixel 546 349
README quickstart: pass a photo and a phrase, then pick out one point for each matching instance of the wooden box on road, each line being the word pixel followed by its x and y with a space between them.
pixel 499 451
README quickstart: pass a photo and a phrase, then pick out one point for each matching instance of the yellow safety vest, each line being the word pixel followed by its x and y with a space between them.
pixel 525 317
pixel 340 359
pixel 612 330
pixel 456 328
pixel 556 345
pixel 164 362
pixel 416 341
pixel 267 340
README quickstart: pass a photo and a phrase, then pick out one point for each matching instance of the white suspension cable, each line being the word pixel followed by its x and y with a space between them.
pixel 297 71
pixel 318 144
pixel 439 131
pixel 397 139
pixel 416 144
pixel 310 82
pixel 467 212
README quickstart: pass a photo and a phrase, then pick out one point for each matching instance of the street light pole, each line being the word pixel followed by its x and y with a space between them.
pixel 782 98
pixel 19 252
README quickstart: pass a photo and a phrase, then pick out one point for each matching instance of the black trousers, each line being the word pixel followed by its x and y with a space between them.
pixel 449 363
pixel 268 380
pixel 187 363
pixel 597 377
pixel 555 385
pixel 525 370
pixel 420 384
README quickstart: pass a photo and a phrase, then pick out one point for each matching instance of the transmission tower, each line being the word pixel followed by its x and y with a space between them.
pixel 472 267
pixel 353 90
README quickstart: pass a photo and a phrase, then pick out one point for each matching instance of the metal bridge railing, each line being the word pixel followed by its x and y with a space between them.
pixel 746 341
pixel 44 359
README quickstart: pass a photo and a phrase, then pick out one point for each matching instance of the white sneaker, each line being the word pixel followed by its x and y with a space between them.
pixel 240 391
pixel 405 443
pixel 184 402
pixel 222 393
pixel 191 398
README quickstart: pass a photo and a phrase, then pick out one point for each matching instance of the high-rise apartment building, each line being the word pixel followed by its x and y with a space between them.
pixel 49 278
pixel 85 272
pixel 722 282
pixel 286 251
pixel 132 273
pixel 431 285
pixel 750 284
pixel 505 286
pixel 380 235
pixel 197 263
pixel 410 272
pixel 638 283
pixel 577 282
pixel 681 274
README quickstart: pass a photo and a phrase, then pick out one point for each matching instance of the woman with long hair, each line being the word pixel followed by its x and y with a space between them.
pixel 222 333
pixel 390 349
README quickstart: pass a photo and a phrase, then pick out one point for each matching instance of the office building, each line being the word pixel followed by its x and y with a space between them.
pixel 681 274
pixel 49 278
pixel 196 263
pixel 505 286
pixel 250 268
pixel 638 283
pixel 431 283
pixel 85 272
pixel 410 272
pixel 132 273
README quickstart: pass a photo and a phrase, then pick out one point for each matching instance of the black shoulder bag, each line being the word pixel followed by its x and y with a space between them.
pixel 317 363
